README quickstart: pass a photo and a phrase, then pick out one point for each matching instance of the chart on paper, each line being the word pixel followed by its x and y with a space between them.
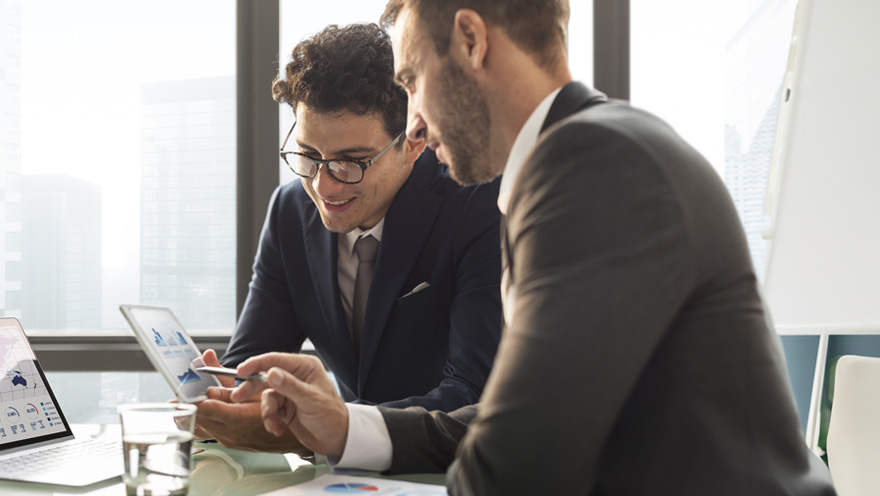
pixel 328 485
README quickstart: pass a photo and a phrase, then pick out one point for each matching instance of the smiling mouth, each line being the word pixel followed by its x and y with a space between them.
pixel 338 205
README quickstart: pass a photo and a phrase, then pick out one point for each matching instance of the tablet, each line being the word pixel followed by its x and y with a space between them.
pixel 170 349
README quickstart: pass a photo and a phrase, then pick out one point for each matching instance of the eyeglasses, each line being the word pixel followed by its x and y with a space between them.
pixel 344 171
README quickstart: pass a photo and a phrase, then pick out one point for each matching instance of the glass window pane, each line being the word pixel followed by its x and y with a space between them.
pixel 118 160
pixel 714 71
pixel 580 41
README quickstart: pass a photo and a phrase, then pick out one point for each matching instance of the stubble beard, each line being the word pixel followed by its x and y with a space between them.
pixel 464 127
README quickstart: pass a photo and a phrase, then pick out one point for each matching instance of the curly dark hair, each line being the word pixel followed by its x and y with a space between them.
pixel 349 68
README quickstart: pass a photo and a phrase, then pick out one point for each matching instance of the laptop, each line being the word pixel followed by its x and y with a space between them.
pixel 36 442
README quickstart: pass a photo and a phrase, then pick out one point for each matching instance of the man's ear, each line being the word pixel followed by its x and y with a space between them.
pixel 413 149
pixel 469 40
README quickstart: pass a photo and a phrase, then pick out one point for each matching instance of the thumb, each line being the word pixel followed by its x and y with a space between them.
pixel 210 358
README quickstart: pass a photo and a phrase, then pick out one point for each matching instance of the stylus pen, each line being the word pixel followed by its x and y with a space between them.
pixel 260 377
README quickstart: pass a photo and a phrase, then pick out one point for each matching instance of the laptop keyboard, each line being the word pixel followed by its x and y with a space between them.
pixel 87 453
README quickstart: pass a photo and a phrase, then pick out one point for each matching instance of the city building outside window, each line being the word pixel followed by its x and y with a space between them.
pixel 117 132
pixel 714 71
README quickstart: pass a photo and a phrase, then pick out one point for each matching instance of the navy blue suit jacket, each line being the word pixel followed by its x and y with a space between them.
pixel 432 348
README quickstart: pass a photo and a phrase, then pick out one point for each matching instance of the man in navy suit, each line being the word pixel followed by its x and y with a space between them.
pixel 432 316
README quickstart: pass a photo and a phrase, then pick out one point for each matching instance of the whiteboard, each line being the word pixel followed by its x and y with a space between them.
pixel 823 263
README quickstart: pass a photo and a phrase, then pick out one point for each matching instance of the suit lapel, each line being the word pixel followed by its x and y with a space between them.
pixel 408 223
pixel 321 250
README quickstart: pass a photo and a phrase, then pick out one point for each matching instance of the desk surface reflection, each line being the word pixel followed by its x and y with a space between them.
pixel 217 471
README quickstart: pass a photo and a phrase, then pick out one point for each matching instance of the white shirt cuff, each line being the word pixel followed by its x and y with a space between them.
pixel 368 444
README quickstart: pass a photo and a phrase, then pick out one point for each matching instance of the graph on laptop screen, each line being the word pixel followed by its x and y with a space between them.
pixel 27 410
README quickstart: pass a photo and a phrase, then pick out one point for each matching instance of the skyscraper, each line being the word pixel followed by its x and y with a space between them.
pixel 188 200
pixel 61 245
pixel 746 173
pixel 755 59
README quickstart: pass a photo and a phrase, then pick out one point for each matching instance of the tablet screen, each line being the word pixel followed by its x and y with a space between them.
pixel 170 349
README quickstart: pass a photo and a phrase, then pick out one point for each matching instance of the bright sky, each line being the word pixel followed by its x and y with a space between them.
pixel 83 68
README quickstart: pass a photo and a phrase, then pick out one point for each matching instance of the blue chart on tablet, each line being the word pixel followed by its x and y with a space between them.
pixel 170 349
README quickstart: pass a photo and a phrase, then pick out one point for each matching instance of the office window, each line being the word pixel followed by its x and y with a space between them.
pixel 117 133
pixel 300 19
pixel 714 71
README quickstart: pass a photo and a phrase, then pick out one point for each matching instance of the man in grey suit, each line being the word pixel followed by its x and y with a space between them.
pixel 637 356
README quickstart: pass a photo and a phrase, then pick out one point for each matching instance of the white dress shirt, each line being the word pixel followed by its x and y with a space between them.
pixel 522 147
pixel 368 444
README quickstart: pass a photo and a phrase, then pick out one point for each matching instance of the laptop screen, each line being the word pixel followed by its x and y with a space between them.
pixel 29 413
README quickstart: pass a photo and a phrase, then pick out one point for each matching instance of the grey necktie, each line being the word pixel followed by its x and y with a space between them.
pixel 366 248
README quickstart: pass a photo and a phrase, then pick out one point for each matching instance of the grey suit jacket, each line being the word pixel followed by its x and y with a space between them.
pixel 640 359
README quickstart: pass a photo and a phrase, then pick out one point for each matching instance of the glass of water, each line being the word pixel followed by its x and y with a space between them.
pixel 157 445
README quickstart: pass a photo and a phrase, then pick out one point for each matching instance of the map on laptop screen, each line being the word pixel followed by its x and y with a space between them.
pixel 27 410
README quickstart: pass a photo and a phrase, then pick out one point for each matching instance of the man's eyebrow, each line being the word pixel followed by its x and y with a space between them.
pixel 345 151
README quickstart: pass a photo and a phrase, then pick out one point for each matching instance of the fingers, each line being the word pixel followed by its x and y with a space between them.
pixel 247 391
pixel 212 409
pixel 209 358
pixel 299 365
pixel 279 405
pixel 223 394
pixel 286 383
pixel 304 367
pixel 273 410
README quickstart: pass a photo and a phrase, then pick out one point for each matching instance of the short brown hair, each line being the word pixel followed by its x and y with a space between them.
pixel 348 68
pixel 536 26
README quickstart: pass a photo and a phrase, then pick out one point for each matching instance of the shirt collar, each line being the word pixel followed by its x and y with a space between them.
pixel 522 147
pixel 351 237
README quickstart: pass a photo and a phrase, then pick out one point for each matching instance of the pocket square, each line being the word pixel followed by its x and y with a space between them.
pixel 416 289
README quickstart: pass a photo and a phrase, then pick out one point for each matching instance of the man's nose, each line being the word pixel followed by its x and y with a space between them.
pixel 416 128
pixel 324 184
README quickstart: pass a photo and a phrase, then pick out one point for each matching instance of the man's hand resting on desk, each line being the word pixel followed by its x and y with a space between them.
pixel 238 425
pixel 302 400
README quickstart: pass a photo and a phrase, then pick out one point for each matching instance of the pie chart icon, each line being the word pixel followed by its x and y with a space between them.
pixel 351 488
